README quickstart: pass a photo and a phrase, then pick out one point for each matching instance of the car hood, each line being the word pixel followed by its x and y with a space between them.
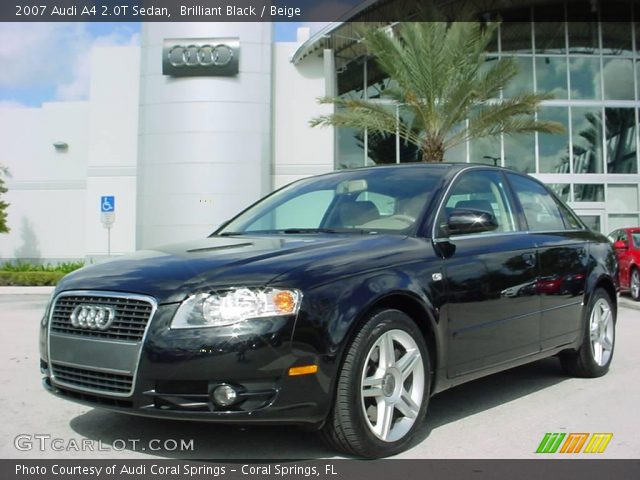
pixel 170 273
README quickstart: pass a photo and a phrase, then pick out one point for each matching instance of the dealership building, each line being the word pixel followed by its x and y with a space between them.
pixel 162 152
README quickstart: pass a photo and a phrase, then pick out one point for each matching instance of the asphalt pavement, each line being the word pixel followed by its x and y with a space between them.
pixel 501 416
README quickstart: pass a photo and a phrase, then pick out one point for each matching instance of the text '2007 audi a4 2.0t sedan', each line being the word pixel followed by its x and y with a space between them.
pixel 341 302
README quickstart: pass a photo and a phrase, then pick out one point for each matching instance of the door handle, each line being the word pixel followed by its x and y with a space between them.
pixel 529 259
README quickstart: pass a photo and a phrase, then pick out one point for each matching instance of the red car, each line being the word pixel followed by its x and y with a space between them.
pixel 626 242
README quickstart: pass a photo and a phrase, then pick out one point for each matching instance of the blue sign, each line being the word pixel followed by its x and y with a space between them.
pixel 108 204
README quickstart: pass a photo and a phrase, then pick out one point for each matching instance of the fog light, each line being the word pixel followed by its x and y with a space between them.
pixel 225 395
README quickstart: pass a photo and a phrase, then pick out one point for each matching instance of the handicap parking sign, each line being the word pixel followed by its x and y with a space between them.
pixel 108 204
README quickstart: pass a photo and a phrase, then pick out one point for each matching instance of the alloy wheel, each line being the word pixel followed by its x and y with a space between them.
pixel 392 385
pixel 635 284
pixel 601 329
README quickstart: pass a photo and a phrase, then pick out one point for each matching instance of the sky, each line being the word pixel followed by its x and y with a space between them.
pixel 53 62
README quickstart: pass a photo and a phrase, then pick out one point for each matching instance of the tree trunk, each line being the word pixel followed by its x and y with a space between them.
pixel 432 150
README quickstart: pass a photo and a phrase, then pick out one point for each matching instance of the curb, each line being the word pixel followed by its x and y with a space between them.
pixel 26 290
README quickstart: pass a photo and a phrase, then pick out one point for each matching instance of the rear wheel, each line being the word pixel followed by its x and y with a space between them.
pixel 635 284
pixel 593 358
pixel 383 388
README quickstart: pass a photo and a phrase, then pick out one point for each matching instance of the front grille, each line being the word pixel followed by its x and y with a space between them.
pixel 131 317
pixel 92 379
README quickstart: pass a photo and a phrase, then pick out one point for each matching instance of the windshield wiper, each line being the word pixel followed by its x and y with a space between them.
pixel 294 231
pixel 326 230
pixel 309 230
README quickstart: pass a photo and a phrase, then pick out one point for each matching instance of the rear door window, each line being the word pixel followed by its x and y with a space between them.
pixel 540 209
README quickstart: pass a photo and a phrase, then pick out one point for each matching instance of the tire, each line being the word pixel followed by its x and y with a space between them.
pixel 377 408
pixel 594 356
pixel 634 284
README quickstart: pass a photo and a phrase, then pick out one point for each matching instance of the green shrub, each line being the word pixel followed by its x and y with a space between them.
pixel 63 267
pixel 30 279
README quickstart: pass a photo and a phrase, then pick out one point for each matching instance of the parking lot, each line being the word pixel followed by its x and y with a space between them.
pixel 501 416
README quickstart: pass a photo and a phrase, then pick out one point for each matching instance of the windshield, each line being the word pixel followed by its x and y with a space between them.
pixel 367 200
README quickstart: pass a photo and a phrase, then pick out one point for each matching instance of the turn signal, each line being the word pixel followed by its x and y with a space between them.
pixel 303 370
pixel 284 302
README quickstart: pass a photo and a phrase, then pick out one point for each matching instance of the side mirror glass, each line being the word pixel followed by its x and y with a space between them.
pixel 465 220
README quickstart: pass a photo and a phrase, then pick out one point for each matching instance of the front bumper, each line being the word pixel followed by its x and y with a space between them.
pixel 178 370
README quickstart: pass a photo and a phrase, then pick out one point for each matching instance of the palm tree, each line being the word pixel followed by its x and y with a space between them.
pixel 442 75
pixel 3 205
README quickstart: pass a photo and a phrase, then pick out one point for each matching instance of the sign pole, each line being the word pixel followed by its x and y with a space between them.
pixel 108 216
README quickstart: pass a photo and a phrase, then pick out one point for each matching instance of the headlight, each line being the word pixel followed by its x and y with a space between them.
pixel 226 308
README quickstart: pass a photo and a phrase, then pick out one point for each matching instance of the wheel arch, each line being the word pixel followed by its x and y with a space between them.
pixel 420 312
pixel 608 285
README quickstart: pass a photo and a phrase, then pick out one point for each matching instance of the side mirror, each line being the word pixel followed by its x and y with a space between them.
pixel 620 245
pixel 465 220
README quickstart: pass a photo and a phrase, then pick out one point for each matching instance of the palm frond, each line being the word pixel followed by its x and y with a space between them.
pixel 444 77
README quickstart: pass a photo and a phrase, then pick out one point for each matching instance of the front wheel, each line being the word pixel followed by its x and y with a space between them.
pixel 635 284
pixel 383 388
pixel 594 356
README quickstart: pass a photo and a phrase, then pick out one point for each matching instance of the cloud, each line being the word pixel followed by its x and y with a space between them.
pixel 618 79
pixel 35 55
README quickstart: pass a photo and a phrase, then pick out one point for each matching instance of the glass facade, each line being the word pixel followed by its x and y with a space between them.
pixel 591 65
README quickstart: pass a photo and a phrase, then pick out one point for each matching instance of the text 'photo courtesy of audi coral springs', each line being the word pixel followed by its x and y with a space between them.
pixel 342 303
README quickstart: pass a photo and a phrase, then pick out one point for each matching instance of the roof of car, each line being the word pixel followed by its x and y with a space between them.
pixel 449 165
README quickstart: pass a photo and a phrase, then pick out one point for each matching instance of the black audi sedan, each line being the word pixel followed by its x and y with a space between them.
pixel 341 302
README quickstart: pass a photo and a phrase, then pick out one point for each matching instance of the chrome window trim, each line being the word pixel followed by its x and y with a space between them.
pixel 444 196
pixel 106 294
pixel 480 235
pixel 500 234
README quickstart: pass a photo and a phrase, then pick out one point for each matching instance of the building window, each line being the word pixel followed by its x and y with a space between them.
pixel 621 140
pixel 587 57
pixel 588 192
pixel 519 153
pixel 586 126
pixel 553 150
pixel 623 198
pixel 585 78
pixel 618 79
pixel 551 76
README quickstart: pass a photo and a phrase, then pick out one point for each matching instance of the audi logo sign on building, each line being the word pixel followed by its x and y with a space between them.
pixel 200 57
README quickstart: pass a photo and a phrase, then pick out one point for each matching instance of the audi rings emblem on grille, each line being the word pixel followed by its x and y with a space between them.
pixel 200 55
pixel 93 317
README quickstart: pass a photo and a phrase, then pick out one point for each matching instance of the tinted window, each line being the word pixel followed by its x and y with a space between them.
pixel 540 208
pixel 304 211
pixel 384 199
pixel 635 238
pixel 481 190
